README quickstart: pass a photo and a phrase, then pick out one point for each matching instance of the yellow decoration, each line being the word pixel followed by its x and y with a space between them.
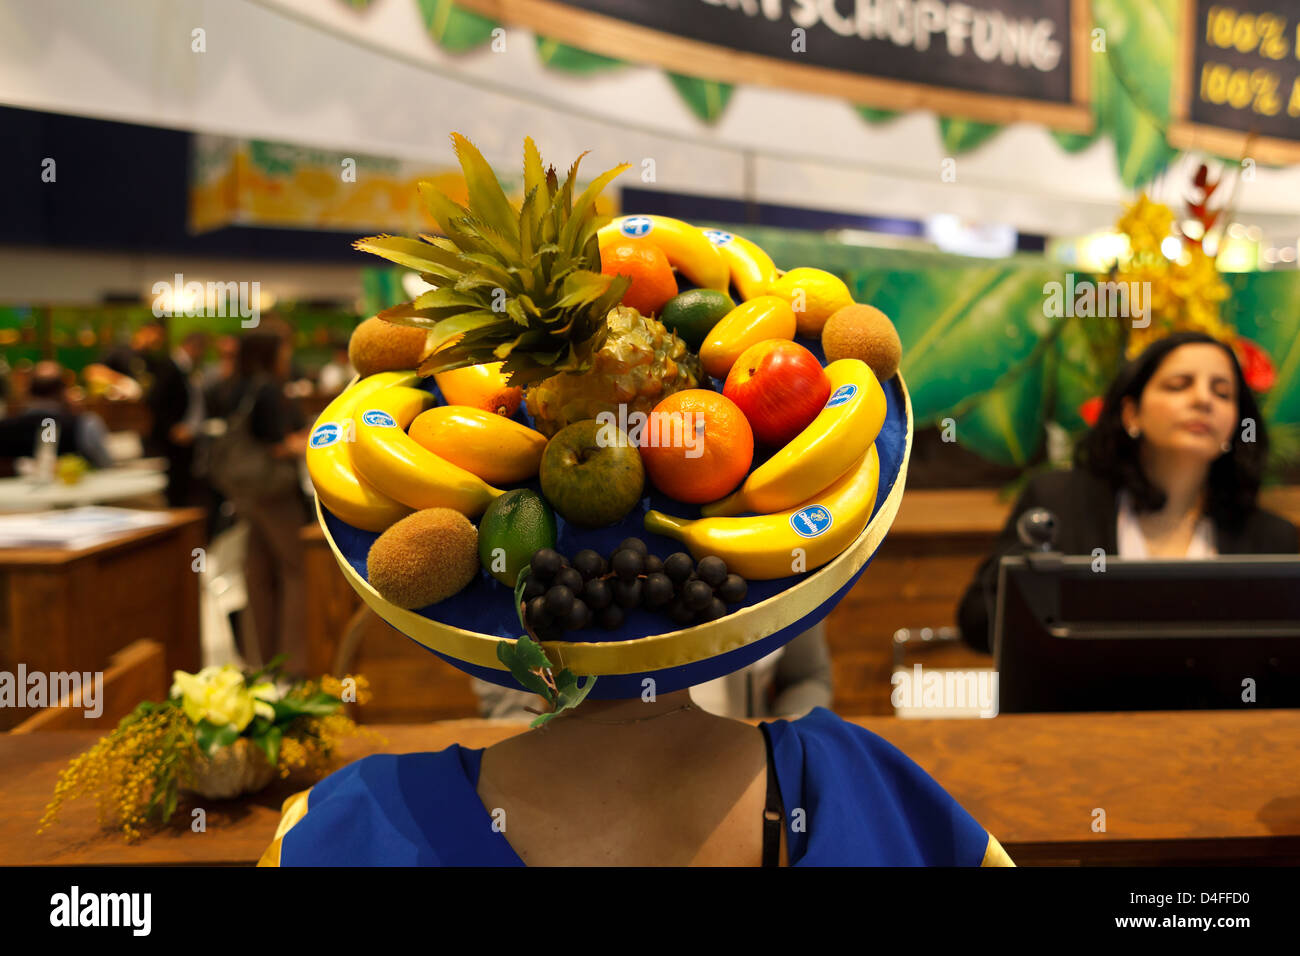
pixel 1184 293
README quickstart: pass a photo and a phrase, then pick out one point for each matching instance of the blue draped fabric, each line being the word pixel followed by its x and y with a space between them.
pixel 864 803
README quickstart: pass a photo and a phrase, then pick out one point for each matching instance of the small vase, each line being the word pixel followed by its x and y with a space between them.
pixel 231 771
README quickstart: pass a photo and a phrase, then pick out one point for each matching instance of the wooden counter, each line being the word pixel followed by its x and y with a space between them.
pixel 1184 788
pixel 70 610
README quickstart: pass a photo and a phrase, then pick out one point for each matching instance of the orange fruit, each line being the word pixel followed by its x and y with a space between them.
pixel 653 282
pixel 697 446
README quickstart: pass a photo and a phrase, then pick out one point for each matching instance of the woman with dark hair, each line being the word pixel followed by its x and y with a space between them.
pixel 1171 469
pixel 255 403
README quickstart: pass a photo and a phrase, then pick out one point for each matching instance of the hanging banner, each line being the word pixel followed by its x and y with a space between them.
pixel 250 182
pixel 1238 75
pixel 997 61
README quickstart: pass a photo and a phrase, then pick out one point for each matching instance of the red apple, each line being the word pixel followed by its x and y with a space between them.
pixel 780 386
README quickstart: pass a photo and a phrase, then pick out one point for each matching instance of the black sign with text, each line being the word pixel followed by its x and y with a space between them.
pixel 1246 67
pixel 1011 48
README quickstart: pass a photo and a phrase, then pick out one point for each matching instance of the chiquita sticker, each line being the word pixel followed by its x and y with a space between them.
pixel 325 435
pixel 718 237
pixel 636 226
pixel 379 419
pixel 811 521
pixel 841 395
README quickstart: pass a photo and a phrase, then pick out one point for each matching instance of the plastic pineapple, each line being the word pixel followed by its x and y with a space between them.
pixel 524 286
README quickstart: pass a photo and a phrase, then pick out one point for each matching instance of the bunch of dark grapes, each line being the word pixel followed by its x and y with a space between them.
pixel 562 596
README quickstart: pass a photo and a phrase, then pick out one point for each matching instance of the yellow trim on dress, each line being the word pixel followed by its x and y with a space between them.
pixel 994 855
pixel 658 651
pixel 292 810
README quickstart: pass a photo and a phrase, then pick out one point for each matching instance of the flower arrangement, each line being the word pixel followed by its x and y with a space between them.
pixel 219 733
pixel 1186 290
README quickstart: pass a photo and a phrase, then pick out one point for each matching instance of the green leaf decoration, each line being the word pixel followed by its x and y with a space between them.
pixel 319 704
pixel 568 692
pixel 1075 142
pixel 1133 93
pixel 454 29
pixel 269 742
pixel 964 329
pixel 568 695
pixel 706 98
pixel 1265 307
pixel 1007 425
pixel 209 737
pixel 875 116
pixel 961 136
pixel 571 59
pixel 358 4
pixel 520 583
pixel 524 658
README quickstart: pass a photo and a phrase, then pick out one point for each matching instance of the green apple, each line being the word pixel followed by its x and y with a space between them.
pixel 592 474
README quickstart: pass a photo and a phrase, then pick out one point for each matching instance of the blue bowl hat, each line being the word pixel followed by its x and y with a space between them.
pixel 466 629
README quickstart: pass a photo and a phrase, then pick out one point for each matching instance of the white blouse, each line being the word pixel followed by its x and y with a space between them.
pixel 1133 543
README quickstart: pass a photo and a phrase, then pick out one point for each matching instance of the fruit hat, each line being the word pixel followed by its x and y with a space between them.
pixel 466 629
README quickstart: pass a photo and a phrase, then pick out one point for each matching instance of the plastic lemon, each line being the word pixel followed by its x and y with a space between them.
pixel 814 294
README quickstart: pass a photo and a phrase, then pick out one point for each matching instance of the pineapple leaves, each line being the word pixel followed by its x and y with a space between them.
pixel 518 285
pixel 448 329
pixel 585 207
pixel 580 288
pixel 445 298
pixel 444 212
pixel 420 256
pixel 486 197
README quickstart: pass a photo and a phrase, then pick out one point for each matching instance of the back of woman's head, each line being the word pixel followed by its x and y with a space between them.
pixel 257 354
pixel 1110 452
pixel 259 350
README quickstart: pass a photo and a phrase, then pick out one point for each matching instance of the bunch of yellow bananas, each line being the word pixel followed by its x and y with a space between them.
pixel 369 472
pixel 711 258
pixel 812 498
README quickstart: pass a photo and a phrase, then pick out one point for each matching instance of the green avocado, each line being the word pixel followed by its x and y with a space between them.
pixel 515 525
pixel 694 313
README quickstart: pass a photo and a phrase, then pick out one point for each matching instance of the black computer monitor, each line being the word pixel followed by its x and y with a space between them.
pixel 1147 635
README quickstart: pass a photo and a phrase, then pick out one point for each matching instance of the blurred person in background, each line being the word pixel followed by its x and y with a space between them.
pixel 219 372
pixel 167 396
pixel 336 373
pixel 79 432
pixel 255 402
pixel 1166 472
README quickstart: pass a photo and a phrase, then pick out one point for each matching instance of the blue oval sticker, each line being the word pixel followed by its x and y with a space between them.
pixel 379 419
pixel 811 521
pixel 325 435
pixel 718 237
pixel 636 226
pixel 841 395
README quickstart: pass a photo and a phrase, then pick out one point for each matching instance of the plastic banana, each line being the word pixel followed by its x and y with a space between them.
pixel 329 462
pixel 764 547
pixel 766 317
pixel 495 448
pixel 684 246
pixel 821 453
pixel 393 462
pixel 751 268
